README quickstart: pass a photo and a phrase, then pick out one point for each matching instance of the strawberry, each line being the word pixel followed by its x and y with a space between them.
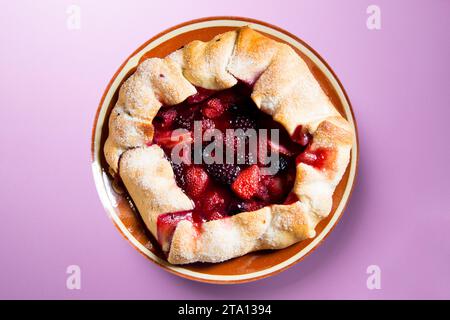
pixel 196 180
pixel 246 184
pixel 214 108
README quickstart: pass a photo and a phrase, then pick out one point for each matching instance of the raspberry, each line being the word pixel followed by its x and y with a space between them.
pixel 214 108
pixel 247 183
pixel 223 172
pixel 196 180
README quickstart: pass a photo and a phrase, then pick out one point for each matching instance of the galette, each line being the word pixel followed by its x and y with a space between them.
pixel 227 147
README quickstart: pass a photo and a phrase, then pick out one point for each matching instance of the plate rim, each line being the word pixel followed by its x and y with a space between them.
pixel 180 270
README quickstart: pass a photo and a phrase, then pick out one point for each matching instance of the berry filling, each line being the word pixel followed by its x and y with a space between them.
pixel 223 188
pixel 315 158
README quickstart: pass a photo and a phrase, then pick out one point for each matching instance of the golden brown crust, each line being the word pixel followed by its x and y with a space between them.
pixel 315 186
pixel 272 227
pixel 149 178
pixel 278 80
pixel 204 64
pixel 252 55
pixel 155 82
pixel 284 87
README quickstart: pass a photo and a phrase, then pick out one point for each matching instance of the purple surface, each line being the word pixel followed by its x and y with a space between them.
pixel 397 79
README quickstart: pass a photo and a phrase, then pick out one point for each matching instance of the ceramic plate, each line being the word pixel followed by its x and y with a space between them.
pixel 254 265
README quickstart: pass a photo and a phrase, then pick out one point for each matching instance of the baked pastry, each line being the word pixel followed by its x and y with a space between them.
pixel 211 212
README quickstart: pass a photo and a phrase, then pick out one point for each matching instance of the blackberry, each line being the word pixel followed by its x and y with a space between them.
pixel 233 108
pixel 282 163
pixel 178 170
pixel 185 121
pixel 248 157
pixel 243 122
pixel 223 172
pixel 236 206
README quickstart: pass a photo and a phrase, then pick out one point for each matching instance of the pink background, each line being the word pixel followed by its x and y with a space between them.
pixel 52 80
